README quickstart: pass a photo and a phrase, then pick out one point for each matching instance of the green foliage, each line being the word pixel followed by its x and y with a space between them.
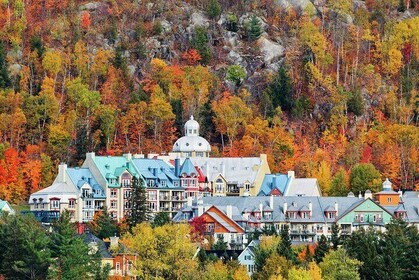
pixel 24 248
pixel 139 211
pixel 36 45
pixel 157 27
pixel 284 249
pixel 338 265
pixel 280 91
pixel 339 186
pixel 160 219
pixel 232 23
pixel 364 176
pixel 213 9
pixel 356 103
pixel 200 42
pixel 254 29
pixel 73 260
pixel 103 226
pixel 322 249
pixel 335 237
pixel 236 74
pixel 4 75
pixel 220 244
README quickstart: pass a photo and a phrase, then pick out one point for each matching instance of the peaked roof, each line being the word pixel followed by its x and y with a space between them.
pixel 82 176
pixel 188 168
pixel 273 181
pixel 357 204
pixel 158 170
pixel 4 204
pixel 111 166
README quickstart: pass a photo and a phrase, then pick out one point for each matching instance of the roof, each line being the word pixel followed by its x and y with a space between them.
pixel 221 221
pixel 273 181
pixel 113 166
pixel 191 142
pixel 91 239
pixel 188 168
pixel 62 190
pixel 158 170
pixel 82 176
pixel 4 205
pixel 237 170
pixel 303 186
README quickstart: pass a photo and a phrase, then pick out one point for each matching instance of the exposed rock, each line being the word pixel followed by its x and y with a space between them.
pixel 198 19
pixel 296 4
pixel 14 55
pixel 231 39
pixel 90 6
pixel 271 51
pixel 14 69
pixel 235 58
pixel 153 46
pixel 131 70
pixel 166 26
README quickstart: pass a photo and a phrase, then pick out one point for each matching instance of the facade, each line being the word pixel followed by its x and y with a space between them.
pixel 308 217
pixel 247 257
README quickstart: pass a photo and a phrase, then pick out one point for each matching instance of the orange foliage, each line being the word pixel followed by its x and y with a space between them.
pixel 191 56
pixel 85 20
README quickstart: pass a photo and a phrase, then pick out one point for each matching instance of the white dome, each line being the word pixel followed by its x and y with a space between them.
pixel 191 144
pixel 191 127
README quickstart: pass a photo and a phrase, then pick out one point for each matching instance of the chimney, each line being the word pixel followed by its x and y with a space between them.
pixel 62 168
pixel 291 174
pixel 177 167
pixel 189 201
pixel 285 208
pixel 274 183
pixel 90 155
pixel 128 156
pixel 200 207
pixel 368 194
pixel 360 194
pixel 337 208
pixel 310 207
pixel 229 211
pixel 114 241
pixel 271 202
pixel 261 208
pixel 400 193
pixel 223 169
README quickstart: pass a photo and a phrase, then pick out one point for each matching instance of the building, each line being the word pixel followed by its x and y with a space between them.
pixel 6 207
pixel 288 185
pixel 308 217
pixel 192 145
pixel 247 257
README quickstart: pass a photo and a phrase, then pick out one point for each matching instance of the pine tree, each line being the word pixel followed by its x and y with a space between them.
pixel 220 244
pixel 321 249
pixel 284 249
pixel 213 9
pixel 4 75
pixel 139 209
pixel 73 260
pixel 103 226
pixel 254 29
pixel 200 43
pixel 335 238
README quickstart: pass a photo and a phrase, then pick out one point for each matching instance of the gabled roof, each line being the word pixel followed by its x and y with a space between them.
pixel 272 182
pixel 62 190
pixel 158 170
pixel 113 165
pixel 187 168
pixel 355 205
pixel 81 176
pixel 4 205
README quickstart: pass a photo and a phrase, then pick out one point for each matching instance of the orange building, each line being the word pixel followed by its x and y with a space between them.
pixel 387 197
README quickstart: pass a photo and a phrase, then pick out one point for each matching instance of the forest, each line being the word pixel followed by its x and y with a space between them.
pixel 326 88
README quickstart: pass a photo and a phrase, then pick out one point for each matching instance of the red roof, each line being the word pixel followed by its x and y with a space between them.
pixel 201 176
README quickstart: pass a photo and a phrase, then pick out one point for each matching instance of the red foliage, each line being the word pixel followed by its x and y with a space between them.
pixel 85 20
pixel 191 56
pixel 198 226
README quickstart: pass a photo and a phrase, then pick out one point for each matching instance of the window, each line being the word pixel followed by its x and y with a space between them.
pixel 305 215
pixel 184 182
pixel 152 206
pixel 361 218
pixel 71 203
pixel 219 186
pixel 113 215
pixel 127 194
pixel 175 183
pixel 126 182
pixel 150 183
pixel 192 182
pixel 330 215
pixel 163 183
pixel 55 204
pixel 118 266
pixel 319 228
pixel 388 199
pixel 113 193
pixel 199 154
pixel 88 204
pixel 113 204
pixel 85 192
pixel 247 187
pixel 210 227
pixel 152 195
pixel 127 205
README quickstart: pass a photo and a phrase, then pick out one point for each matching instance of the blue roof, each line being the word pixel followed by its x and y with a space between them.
pixel 273 181
pixel 158 170
pixel 188 168
pixel 81 176
pixel 3 204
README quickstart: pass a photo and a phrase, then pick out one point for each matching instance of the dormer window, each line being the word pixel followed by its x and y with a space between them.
pixel 401 215
pixel 305 215
pixel 150 182
pixel 247 187
pixel 330 214
pixel 292 214
pixel 55 204
pixel 163 183
pixel 175 183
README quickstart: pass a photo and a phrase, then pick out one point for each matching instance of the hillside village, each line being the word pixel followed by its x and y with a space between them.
pixel 219 139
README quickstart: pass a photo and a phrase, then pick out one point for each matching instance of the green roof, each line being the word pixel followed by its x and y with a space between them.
pixel 112 167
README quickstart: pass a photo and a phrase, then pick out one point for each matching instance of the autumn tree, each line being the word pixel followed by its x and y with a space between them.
pixel 338 265
pixel 364 177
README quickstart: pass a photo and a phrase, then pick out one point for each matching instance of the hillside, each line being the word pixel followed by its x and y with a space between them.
pixel 320 86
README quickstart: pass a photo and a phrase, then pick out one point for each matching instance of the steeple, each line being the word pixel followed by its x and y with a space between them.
pixel 191 127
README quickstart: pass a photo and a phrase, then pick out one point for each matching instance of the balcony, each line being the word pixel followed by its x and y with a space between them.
pixel 165 198
pixel 178 198
pixel 165 209
pixel 87 195
pixel 367 220
pixel 302 232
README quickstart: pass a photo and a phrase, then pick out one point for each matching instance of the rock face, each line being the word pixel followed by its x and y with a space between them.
pixel 270 50
pixel 296 4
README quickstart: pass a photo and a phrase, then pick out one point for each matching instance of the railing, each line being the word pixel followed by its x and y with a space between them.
pixel 177 198
pixel 87 195
pixel 165 198
pixel 299 232
pixel 368 220
pixel 164 208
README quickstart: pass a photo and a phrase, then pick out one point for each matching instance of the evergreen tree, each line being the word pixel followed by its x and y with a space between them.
pixel 269 230
pixel 103 226
pixel 24 248
pixel 339 186
pixel 71 253
pixel 284 249
pixel 139 209
pixel 202 257
pixel 280 91
pixel 220 244
pixel 335 237
pixel 254 29
pixel 322 249
pixel 4 75
pixel 356 103
pixel 213 9
pixel 200 43
pixel 160 219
